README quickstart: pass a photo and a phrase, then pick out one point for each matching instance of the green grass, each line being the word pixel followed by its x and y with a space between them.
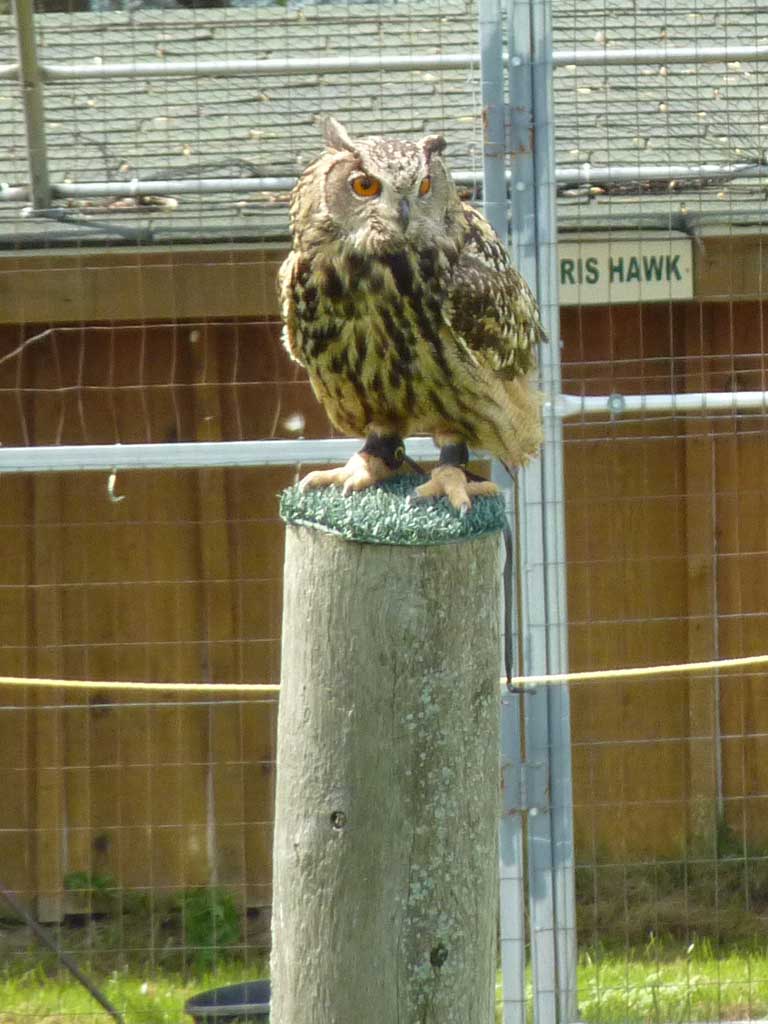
pixel 665 983
pixel 147 961
pixel 33 997
pixel 659 983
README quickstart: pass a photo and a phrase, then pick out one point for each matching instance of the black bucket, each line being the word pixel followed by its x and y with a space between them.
pixel 247 1001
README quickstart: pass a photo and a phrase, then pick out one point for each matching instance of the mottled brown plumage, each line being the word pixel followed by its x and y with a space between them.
pixel 401 302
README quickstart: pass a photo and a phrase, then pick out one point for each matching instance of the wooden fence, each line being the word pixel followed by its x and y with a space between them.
pixel 667 539
pixel 180 581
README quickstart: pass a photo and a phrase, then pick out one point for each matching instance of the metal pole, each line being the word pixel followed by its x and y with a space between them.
pixel 511 866
pixel 659 55
pixel 512 863
pixel 189 455
pixel 586 174
pixel 493 113
pixel 200 454
pixel 597 57
pixel 705 402
pixel 262 68
pixel 565 176
pixel 31 83
pixel 553 516
pixel 550 840
pixel 524 121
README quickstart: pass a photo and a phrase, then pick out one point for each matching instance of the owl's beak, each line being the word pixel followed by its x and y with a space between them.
pixel 404 209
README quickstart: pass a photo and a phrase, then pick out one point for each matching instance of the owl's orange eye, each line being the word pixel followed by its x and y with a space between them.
pixel 425 186
pixel 366 186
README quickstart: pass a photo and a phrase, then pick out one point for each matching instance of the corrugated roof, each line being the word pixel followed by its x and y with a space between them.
pixel 117 130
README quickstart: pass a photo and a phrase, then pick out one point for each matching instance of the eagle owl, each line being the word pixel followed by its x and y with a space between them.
pixel 400 301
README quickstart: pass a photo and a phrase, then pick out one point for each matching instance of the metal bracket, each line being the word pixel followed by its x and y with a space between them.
pixel 616 404
pixel 525 787
pixel 518 124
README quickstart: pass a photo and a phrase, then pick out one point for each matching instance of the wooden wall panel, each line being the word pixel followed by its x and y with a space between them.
pixel 627 594
pixel 667 547
pixel 181 581
pixel 50 787
pixel 734 267
pixel 138 285
pixel 742 566
pixel 627 604
pixel 698 345
pixel 18 720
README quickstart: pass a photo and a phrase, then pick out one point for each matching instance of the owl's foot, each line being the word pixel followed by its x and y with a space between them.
pixel 361 471
pixel 451 479
pixel 379 459
pixel 451 482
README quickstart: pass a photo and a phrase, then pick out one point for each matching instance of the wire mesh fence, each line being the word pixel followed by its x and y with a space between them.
pixel 138 305
pixel 664 543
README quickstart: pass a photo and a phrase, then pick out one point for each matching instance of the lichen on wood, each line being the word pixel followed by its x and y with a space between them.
pixel 388 783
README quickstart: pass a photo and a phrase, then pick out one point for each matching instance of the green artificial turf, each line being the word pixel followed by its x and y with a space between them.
pixel 382 514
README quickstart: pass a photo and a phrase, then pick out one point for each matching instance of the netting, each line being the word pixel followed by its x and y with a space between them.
pixel 664 509
pixel 138 305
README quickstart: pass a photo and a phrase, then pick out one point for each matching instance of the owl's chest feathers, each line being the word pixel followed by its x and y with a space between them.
pixel 372 330
pixel 355 309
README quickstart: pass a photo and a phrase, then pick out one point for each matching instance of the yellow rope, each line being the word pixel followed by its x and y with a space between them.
pixel 639 673
pixel 563 677
pixel 89 684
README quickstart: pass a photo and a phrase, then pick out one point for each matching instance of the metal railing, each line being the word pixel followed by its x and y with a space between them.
pixel 584 174
pixel 662 55
pixel 80 458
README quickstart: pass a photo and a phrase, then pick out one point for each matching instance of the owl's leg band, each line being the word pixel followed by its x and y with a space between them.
pixel 387 447
pixel 454 454
pixel 457 455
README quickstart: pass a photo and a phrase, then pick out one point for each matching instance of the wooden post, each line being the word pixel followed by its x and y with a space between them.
pixel 387 801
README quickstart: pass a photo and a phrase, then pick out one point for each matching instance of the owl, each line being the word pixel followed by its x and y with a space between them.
pixel 401 303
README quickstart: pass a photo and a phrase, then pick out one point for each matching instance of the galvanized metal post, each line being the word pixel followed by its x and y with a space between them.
pixel 31 82
pixel 491 25
pixel 511 846
pixel 512 865
pixel 532 558
pixel 541 509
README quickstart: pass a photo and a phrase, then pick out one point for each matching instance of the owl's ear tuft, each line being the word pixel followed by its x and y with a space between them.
pixel 432 144
pixel 336 135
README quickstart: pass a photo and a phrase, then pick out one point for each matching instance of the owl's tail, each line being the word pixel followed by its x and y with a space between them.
pixel 523 434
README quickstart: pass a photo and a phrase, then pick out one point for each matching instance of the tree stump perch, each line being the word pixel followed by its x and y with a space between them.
pixel 387 802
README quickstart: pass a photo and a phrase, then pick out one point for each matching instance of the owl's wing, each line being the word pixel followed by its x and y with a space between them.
pixel 288 278
pixel 491 306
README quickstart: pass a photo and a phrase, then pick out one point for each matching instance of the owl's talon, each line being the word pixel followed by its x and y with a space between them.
pixel 361 471
pixel 414 500
pixel 451 482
